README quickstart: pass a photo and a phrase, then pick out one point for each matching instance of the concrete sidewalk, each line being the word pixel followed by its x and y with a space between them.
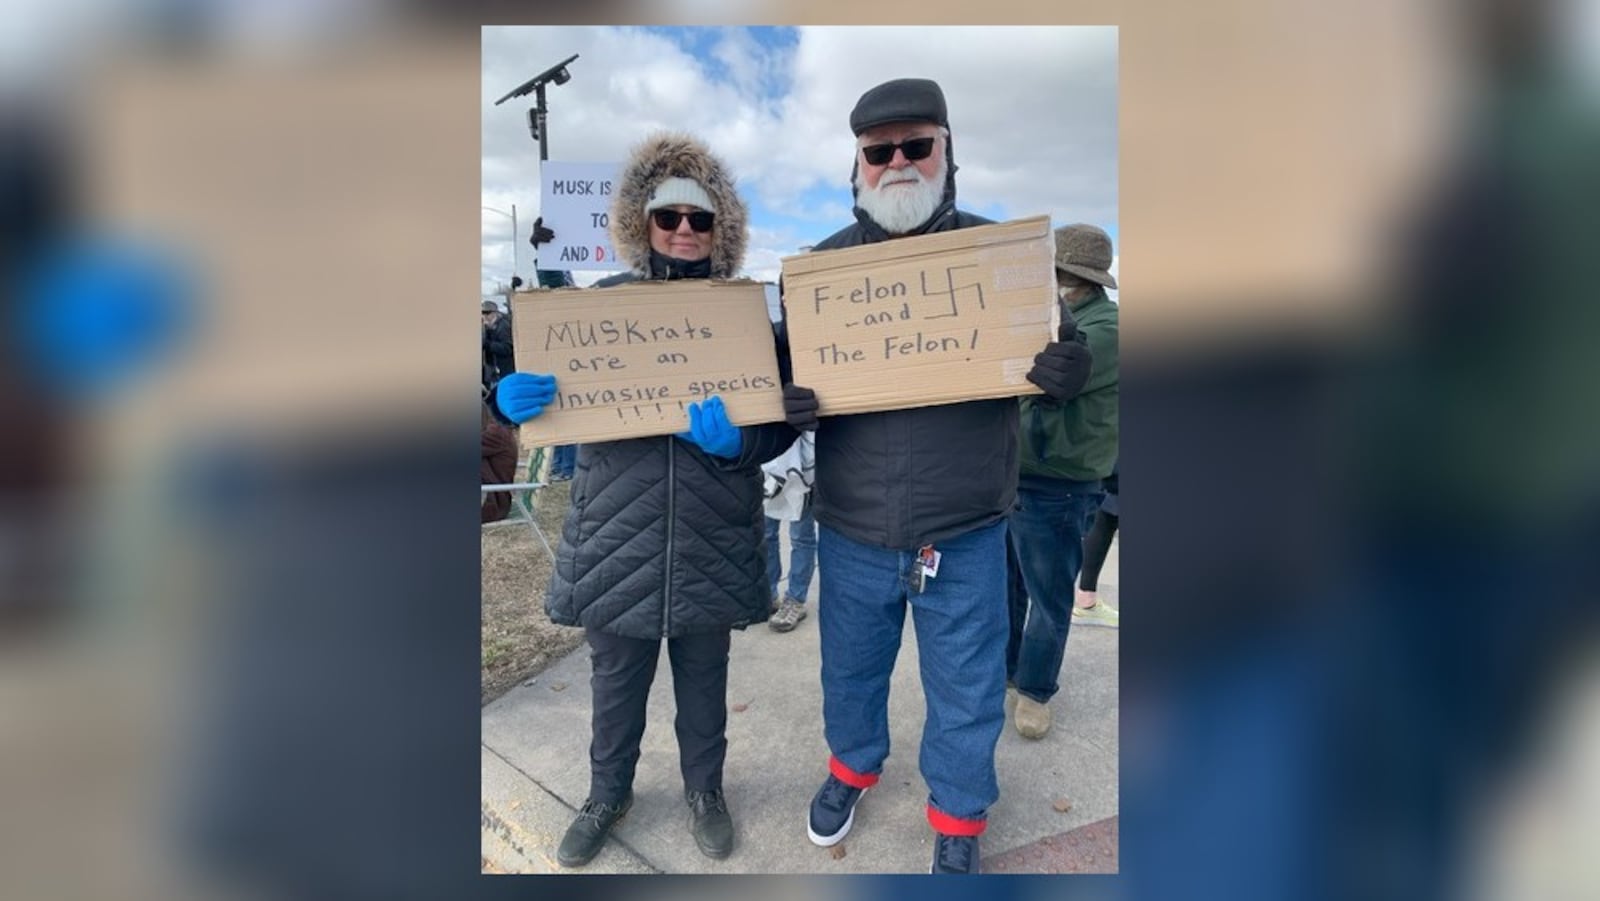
pixel 535 758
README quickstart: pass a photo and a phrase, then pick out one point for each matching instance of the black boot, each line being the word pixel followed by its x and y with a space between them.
pixel 711 824
pixel 587 834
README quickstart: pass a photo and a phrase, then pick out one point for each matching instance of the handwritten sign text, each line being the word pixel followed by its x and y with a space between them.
pixel 919 321
pixel 629 360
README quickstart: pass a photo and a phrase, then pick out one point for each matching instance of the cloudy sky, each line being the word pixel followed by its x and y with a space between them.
pixel 1033 118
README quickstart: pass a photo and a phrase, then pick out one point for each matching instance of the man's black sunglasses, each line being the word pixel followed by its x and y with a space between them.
pixel 914 149
pixel 699 220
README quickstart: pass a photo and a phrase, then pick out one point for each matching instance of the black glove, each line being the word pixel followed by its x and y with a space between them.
pixel 541 235
pixel 1062 368
pixel 800 407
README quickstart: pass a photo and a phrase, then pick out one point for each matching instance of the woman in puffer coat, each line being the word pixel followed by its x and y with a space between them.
pixel 664 536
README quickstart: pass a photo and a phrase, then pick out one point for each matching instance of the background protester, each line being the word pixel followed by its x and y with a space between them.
pixel 1069 444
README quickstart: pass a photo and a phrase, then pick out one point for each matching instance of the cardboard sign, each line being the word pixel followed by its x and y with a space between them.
pixel 575 201
pixel 629 360
pixel 913 322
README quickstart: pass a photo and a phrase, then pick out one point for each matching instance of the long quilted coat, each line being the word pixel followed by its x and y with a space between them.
pixel 662 539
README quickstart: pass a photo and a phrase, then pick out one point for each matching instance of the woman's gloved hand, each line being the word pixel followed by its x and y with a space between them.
pixel 95 314
pixel 521 396
pixel 710 430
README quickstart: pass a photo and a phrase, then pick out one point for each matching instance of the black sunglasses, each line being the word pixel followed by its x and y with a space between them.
pixel 914 149
pixel 699 220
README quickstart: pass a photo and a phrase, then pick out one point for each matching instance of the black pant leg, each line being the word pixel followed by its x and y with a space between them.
pixel 620 687
pixel 1095 546
pixel 700 687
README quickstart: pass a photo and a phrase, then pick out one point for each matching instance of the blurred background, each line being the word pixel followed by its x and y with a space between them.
pixel 239 577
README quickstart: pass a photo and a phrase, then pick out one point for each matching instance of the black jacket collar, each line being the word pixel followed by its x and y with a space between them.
pixel 663 266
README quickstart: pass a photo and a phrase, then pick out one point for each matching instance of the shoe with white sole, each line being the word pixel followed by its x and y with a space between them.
pixel 833 809
pixel 1101 614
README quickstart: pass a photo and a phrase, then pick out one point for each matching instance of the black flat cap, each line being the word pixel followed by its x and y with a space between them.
pixel 901 100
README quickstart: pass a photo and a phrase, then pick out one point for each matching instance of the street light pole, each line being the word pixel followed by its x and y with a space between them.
pixel 538 117
pixel 515 256
pixel 544 129
pixel 537 114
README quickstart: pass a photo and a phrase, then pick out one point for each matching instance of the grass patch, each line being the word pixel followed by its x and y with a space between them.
pixel 518 640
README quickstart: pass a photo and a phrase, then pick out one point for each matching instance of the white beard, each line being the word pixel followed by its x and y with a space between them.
pixel 903 199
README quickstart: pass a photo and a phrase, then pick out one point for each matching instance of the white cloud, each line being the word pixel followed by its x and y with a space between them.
pixel 1033 116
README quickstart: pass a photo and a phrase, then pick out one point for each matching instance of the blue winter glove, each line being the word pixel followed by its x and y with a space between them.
pixel 521 396
pixel 710 429
pixel 100 312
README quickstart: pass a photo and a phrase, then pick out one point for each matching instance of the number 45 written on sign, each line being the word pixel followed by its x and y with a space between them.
pixel 950 289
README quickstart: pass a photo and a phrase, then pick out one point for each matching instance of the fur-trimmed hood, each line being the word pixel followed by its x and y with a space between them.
pixel 662 156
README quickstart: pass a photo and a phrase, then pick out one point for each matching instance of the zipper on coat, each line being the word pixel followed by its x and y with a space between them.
pixel 666 589
pixel 909 532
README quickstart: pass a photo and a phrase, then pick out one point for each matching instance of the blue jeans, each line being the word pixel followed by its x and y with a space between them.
pixel 802 555
pixel 1047 529
pixel 563 459
pixel 960 618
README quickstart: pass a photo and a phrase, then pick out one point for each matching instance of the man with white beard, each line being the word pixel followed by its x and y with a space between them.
pixel 902 198
pixel 911 508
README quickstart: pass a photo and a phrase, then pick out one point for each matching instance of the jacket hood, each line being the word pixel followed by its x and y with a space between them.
pixel 661 156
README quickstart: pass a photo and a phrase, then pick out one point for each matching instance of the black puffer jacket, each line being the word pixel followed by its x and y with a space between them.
pixel 499 357
pixel 662 539
pixel 905 478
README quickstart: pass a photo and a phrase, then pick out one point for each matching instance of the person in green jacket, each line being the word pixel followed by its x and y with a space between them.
pixel 1068 447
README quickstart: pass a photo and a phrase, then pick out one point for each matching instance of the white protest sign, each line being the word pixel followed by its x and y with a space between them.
pixel 575 201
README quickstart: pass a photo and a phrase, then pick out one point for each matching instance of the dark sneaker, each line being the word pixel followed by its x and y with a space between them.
pixel 587 834
pixel 711 824
pixel 788 616
pixel 955 854
pixel 833 809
